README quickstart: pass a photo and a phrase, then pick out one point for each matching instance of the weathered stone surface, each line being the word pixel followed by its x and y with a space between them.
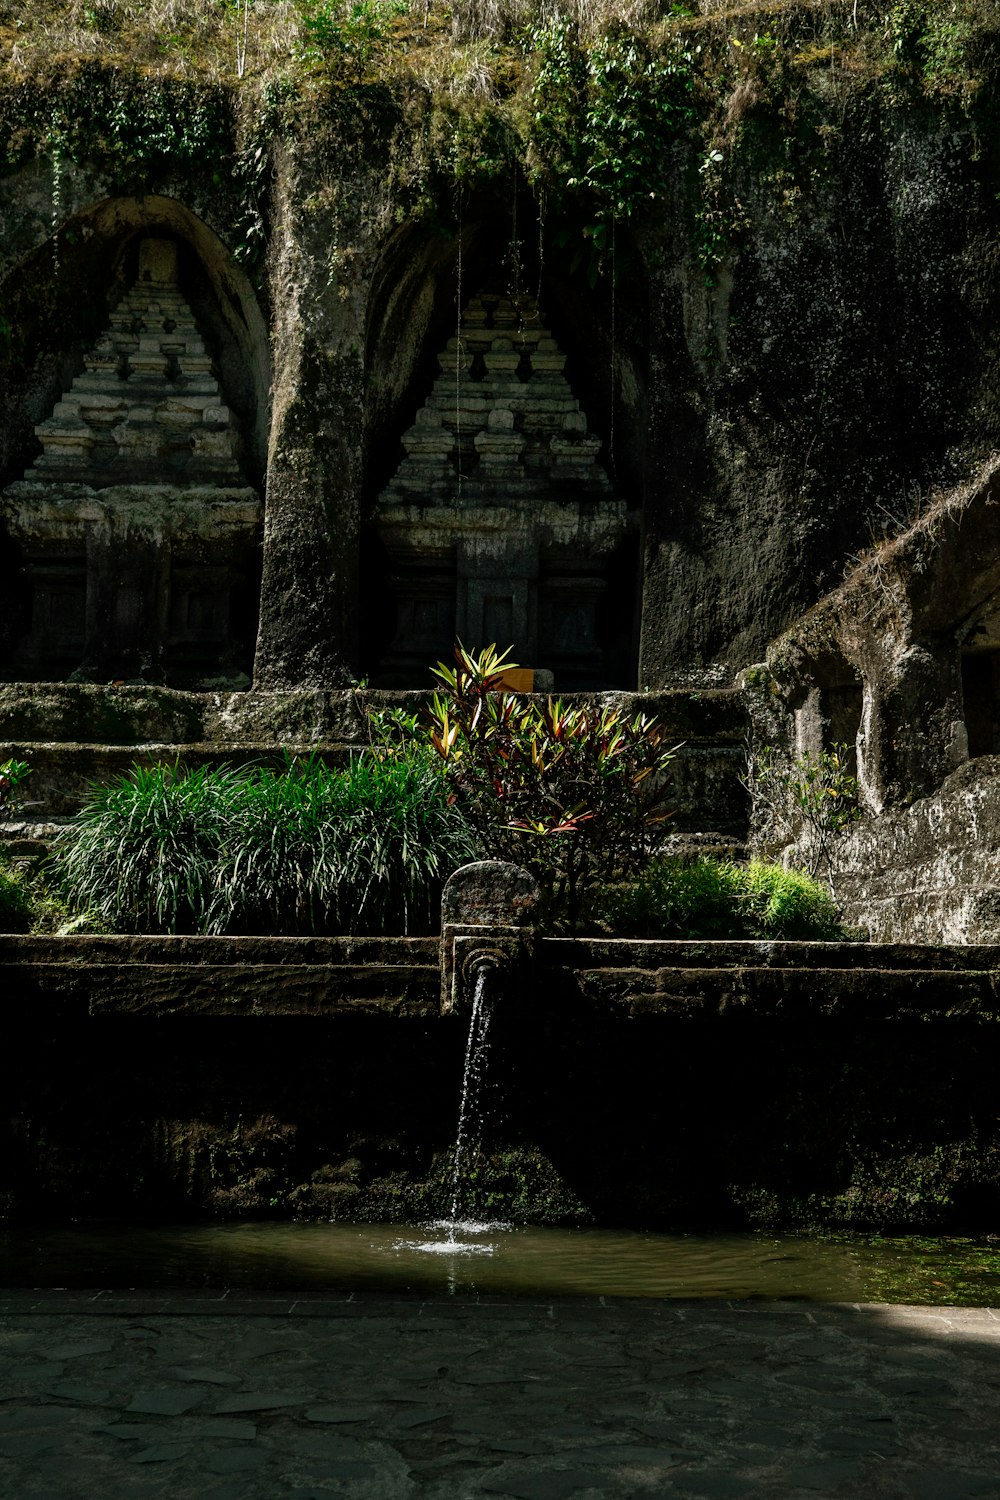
pixel 136 530
pixel 768 1435
pixel 928 872
pixel 899 664
pixel 74 734
pixel 164 976
pixel 284 989
pixel 148 374
pixel 487 912
pixel 489 894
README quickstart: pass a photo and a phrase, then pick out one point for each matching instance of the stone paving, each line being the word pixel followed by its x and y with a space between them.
pixel 225 1398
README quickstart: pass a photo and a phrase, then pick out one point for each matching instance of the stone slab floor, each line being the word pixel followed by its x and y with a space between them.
pixel 118 1397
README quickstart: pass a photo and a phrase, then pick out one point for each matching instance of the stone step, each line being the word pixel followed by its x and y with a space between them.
pixel 76 734
pixel 62 774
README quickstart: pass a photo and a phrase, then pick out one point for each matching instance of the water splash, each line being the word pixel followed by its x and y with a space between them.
pixel 449 1246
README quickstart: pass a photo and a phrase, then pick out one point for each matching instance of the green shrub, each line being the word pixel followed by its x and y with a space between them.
pixel 708 898
pixel 16 904
pixel 362 850
pixel 304 849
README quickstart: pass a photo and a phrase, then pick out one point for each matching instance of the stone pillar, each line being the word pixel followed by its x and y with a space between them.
pixel 307 636
pixel 677 586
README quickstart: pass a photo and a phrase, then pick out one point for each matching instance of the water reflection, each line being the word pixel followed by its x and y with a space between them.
pixel 494 1258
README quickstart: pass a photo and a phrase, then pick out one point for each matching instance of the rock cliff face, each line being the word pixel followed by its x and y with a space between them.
pixel 766 305
pixel 760 420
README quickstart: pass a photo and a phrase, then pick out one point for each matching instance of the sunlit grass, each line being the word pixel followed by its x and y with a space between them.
pixel 717 899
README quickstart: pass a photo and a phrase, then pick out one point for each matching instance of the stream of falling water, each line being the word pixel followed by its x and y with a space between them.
pixel 464 1235
pixel 469 1111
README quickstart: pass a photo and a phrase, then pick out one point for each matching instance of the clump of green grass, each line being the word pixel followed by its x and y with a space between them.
pixel 307 849
pixel 674 898
pixel 363 850
pixel 716 899
pixel 143 853
pixel 16 902
pixel 782 903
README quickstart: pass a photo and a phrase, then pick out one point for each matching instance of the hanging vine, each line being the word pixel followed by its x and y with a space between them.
pixel 603 118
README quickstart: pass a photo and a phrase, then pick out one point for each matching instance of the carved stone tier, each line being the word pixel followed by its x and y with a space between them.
pixel 147 407
pixel 500 522
pixel 138 540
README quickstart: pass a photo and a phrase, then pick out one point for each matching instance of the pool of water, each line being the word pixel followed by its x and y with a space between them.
pixel 438 1260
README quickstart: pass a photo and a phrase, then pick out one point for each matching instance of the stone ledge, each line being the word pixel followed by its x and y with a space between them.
pixel 142 713
pixel 161 977
pixel 642 953
pixel 260 952
pixel 791 994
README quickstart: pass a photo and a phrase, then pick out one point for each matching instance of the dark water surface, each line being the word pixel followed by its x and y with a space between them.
pixel 440 1261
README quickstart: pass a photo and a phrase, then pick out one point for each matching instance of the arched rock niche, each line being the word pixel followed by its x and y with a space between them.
pixel 981 681
pixel 466 561
pixel 135 551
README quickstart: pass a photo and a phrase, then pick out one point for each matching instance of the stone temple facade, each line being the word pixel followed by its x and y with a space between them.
pixel 500 522
pixel 137 531
pixel 255 477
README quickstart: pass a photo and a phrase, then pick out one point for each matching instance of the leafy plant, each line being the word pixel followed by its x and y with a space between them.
pixel 338 33
pixel 602 117
pixel 577 793
pixel 366 849
pixel 12 774
pixel 674 898
pixel 814 794
pixel 716 899
pixel 785 903
pixel 16 900
pixel 931 41
pixel 143 852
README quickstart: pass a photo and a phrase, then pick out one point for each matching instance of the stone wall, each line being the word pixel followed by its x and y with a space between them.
pixel 896 668
pixel 650 1084
pixel 927 873
pixel 744 419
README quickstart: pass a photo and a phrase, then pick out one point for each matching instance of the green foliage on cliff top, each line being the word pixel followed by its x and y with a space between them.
pixel 576 72
pixel 603 104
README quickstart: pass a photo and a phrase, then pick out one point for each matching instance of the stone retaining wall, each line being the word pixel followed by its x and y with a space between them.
pixel 652 1084
pixel 76 734
pixel 329 977
pixel 927 873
